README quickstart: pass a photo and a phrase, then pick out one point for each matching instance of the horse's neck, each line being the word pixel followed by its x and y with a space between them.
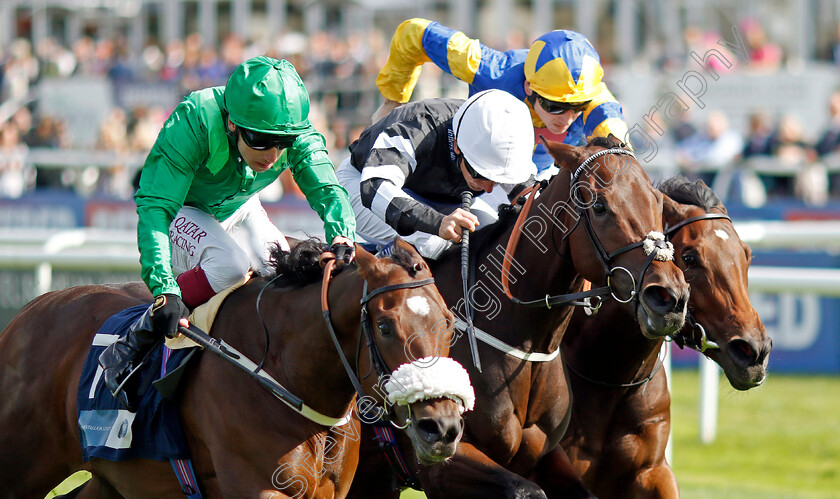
pixel 537 267
pixel 609 346
pixel 302 354
pixel 345 295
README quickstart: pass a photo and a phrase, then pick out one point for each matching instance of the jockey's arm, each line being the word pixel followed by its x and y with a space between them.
pixel 164 183
pixel 603 116
pixel 418 41
pixel 403 213
pixel 315 175
pixel 162 190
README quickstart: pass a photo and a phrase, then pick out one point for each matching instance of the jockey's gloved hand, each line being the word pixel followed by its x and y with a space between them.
pixel 167 310
pixel 344 253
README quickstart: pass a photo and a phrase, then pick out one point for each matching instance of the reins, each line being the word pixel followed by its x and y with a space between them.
pixel 325 311
pixel 529 194
pixel 235 357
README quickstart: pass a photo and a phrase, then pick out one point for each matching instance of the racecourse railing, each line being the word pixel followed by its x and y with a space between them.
pixel 44 251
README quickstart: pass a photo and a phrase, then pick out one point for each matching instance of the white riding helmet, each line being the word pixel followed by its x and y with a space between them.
pixel 495 134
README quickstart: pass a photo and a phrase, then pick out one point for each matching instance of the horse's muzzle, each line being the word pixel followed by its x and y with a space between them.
pixel 662 310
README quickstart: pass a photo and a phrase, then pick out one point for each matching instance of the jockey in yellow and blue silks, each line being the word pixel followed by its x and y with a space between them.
pixel 559 78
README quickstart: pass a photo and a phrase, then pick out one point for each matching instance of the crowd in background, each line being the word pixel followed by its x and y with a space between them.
pixel 784 165
pixel 340 73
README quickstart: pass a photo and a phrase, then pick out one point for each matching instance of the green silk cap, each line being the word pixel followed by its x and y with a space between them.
pixel 268 96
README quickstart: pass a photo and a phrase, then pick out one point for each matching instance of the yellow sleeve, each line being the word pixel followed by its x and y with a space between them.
pixel 397 79
pixel 604 116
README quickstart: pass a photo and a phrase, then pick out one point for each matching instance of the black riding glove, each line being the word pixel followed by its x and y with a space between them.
pixel 167 310
pixel 344 253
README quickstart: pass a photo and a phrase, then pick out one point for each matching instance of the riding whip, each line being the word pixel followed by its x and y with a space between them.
pixel 230 354
pixel 466 202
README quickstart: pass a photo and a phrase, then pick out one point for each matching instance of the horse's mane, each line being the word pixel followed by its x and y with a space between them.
pixel 507 216
pixel 298 267
pixel 697 193
pixel 301 265
pixel 606 142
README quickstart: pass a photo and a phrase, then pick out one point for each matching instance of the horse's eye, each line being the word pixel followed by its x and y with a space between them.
pixel 599 207
pixel 690 259
pixel 384 326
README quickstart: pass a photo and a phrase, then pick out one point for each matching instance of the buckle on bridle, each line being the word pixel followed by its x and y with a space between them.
pixel 589 308
pixel 407 421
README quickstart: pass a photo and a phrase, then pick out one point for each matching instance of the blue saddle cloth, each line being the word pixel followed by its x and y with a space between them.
pixel 106 429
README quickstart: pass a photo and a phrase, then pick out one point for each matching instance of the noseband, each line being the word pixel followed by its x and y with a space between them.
pixel 376 358
pixel 654 245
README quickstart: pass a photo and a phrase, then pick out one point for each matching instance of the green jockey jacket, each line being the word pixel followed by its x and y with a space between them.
pixel 194 162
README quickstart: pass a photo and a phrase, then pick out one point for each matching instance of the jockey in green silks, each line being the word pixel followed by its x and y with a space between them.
pixel 201 226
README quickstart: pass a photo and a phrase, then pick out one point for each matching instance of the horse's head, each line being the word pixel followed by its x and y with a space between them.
pixel 613 222
pixel 412 329
pixel 722 322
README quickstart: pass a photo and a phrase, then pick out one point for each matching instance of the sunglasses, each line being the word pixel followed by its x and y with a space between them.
pixel 554 107
pixel 262 141
pixel 474 174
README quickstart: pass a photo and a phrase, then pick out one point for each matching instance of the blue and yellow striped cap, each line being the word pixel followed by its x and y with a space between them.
pixel 564 67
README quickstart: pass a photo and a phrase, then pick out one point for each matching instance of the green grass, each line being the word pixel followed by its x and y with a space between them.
pixel 781 440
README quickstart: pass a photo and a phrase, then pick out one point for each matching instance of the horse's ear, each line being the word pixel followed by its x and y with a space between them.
pixel 405 246
pixel 565 156
pixel 366 261
pixel 674 212
pixel 617 142
pixel 670 208
pixel 416 262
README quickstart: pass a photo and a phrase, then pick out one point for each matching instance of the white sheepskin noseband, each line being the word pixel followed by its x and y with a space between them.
pixel 663 254
pixel 429 378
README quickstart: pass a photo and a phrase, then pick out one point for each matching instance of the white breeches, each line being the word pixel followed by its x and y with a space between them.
pixel 226 250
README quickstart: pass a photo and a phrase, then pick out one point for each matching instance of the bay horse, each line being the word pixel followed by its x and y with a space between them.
pixel 591 219
pixel 620 420
pixel 243 442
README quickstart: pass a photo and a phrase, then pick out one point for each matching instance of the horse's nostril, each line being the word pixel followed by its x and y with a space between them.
pixel 429 429
pixel 767 345
pixel 450 435
pixel 661 299
pixel 444 430
pixel 742 352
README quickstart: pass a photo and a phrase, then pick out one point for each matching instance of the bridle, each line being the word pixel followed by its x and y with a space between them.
pixel 367 332
pixel 699 343
pixel 654 245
